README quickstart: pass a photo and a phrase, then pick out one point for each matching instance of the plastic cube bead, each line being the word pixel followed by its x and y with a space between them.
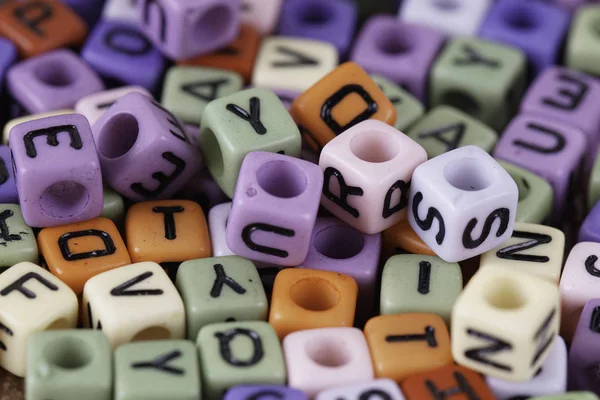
pixel 589 232
pixel 264 391
pixel 122 55
pixel 52 81
pixel 217 227
pixel 593 191
pixel 41 26
pixel 203 189
pixel 407 344
pixel 8 55
pixel 26 118
pixel 319 359
pixel 247 121
pixel 400 52
pixel 471 199
pixel 69 364
pixel 402 239
pixel 445 128
pixel 8 187
pixel 413 283
pixel 483 79
pixel 333 21
pixel 293 63
pixel 114 207
pixel 238 353
pixel 144 151
pixel 54 193
pixel 582 44
pixel 94 105
pixel 16 238
pixel 461 18
pixel 134 303
pixel 186 29
pixel 263 15
pixel 382 388
pixel 408 109
pixel 583 354
pixel 31 300
pixel 157 370
pixel 121 11
pixel 504 323
pixel 307 299
pixel 535 27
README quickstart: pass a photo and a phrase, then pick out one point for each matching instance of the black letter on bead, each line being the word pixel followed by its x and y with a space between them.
pixel 122 289
pixel 559 146
pixel 4 231
pixel 503 214
pixel 223 279
pixel 345 191
pixel 163 17
pixel 473 57
pixel 52 138
pixel 250 229
pixel 432 213
pixel 193 89
pixel 463 387
pixel 337 97
pixel 479 354
pixel 402 203
pixel 173 121
pixel 574 98
pixel 169 217
pixel 163 180
pixel 225 339
pixel 161 363
pixel 595 320
pixel 3 172
pixel 18 285
pixel 543 338
pixel 424 277
pixel 429 337
pixel 109 41
pixel 590 266
pixel 63 244
pixel 91 319
pixel 367 394
pixel 253 117
pixel 299 59
pixel 267 394
pixel 6 330
pixel 458 131
pixel 42 11
pixel 535 239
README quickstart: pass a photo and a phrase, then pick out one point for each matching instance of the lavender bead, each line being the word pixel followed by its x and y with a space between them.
pixel 264 392
pixel 8 55
pixel 585 349
pixel 590 229
pixel 8 188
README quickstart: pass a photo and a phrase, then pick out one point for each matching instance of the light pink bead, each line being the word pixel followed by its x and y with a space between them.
pixel 261 14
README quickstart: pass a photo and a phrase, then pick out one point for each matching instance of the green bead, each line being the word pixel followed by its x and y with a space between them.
pixel 582 50
pixel 568 396
pixel 594 184
pixel 445 128
pixel 69 365
pixel 413 283
pixel 188 90
pixel 535 194
pixel 238 353
pixel 21 245
pixel 226 138
pixel 114 206
pixel 408 108
pixel 219 289
pixel 157 370
pixel 484 79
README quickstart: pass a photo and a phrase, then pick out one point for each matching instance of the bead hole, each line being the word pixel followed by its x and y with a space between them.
pixel 152 333
pixel 281 179
pixel 374 147
pixel 118 136
pixel 212 152
pixel 316 14
pixel 468 174
pixel 328 352
pixel 64 199
pixel 522 19
pixel 394 43
pixel 213 24
pixel 339 242
pixel 315 294
pixel 55 73
pixel 505 293
pixel 69 353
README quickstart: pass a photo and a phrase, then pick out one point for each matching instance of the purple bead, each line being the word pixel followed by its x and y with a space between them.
pixel 143 148
pixel 590 229
pixel 584 354
pixel 203 189
pixel 8 188
pixel 332 21
pixel 287 97
pixel 274 208
pixel 121 53
pixel 264 392
pixel 52 81
pixel 57 170
pixel 89 10
pixel 8 55
pixel 536 28
pixel 400 52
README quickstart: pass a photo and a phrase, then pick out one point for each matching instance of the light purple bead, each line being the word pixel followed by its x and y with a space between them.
pixel 590 229
pixel 584 355
pixel 143 148
pixel 332 21
pixel 8 188
pixel 89 10
pixel 533 26
pixel 399 51
pixel 264 392
pixel 8 55
pixel 122 54
pixel 287 97
pixel 52 81
pixel 274 208
pixel 187 28
pixel 57 170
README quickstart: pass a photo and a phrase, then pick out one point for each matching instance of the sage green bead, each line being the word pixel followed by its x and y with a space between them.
pixel 582 51
pixel 408 108
pixel 220 289
pixel 69 365
pixel 157 370
pixel 238 353
pixel 445 128
pixel 19 244
pixel 535 195
pixel 114 206
pixel 247 121
pixel 188 90
pixel 594 184
pixel 484 79
pixel 568 396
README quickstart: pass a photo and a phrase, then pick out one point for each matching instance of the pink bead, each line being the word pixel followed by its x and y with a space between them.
pixel 261 14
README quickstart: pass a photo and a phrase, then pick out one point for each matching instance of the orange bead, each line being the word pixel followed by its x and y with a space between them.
pixel 307 298
pixel 340 100
pixel 239 56
pixel 77 252
pixel 401 238
pixel 406 344
pixel 39 26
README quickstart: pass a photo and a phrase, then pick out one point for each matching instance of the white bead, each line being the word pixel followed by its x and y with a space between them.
pixel 31 300
pixel 123 10
pixel 14 122
pixel 378 389
pixel 293 64
pixel 217 223
pixel 263 15
pixel 94 105
pixel 132 303
pixel 462 203
pixel 452 17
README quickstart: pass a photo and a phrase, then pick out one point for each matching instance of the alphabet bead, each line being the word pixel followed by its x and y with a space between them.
pixel 217 223
pixel 54 193
pixel 582 44
pixel 16 238
pixel 250 391
pixel 8 187
pixel 583 353
pixel 186 29
pixel 31 300
pixel 588 232
pixel 464 192
pixel 121 11
pixel 401 239
pixel 408 109
pixel 93 106
pixel 261 14
pixel 19 120
pixel 114 207
pixel 8 55
pixel 143 148
pixel 504 323
pixel 383 388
